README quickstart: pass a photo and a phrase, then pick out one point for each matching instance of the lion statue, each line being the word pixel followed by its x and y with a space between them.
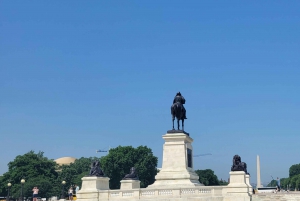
pixel 238 165
pixel 132 175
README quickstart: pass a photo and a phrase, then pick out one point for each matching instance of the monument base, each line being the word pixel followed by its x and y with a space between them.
pixel 177 167
pixel 130 184
pixel 250 189
pixel 91 187
pixel 177 131
pixel 238 185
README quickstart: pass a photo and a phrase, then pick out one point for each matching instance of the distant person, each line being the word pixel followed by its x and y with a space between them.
pixel 278 184
pixel 35 191
pixel 76 189
pixel 70 193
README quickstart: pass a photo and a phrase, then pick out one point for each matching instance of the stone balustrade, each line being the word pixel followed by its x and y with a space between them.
pixel 157 194
pixel 162 193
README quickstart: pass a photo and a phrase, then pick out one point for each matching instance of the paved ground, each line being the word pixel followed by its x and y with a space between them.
pixel 280 196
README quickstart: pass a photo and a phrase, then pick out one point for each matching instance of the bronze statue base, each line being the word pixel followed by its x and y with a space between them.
pixel 178 131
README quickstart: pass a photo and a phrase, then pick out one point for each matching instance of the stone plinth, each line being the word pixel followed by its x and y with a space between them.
pixel 91 187
pixel 247 179
pixel 95 183
pixel 237 189
pixel 129 184
pixel 177 165
pixel 238 185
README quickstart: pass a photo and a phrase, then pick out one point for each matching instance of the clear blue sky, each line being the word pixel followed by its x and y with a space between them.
pixel 76 76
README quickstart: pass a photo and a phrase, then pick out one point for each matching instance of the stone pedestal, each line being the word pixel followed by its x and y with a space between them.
pixel 238 185
pixel 91 187
pixel 177 165
pixel 130 184
pixel 237 189
pixel 247 178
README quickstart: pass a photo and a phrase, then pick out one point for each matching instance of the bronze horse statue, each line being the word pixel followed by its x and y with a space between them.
pixel 178 110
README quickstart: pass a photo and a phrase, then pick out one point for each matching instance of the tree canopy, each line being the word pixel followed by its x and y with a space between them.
pixel 273 183
pixel 120 159
pixel 73 173
pixel 44 173
pixel 293 181
pixel 208 177
pixel 36 169
pixel 294 170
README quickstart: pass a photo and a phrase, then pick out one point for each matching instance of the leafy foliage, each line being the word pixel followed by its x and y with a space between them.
pixel 120 159
pixel 284 182
pixel 292 182
pixel 73 173
pixel 294 170
pixel 36 169
pixel 44 173
pixel 273 183
pixel 207 177
pixel 295 181
pixel 223 183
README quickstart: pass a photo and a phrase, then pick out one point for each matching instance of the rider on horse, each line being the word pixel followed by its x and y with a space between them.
pixel 179 100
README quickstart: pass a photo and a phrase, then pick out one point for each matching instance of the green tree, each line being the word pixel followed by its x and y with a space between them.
pixel 223 183
pixel 273 183
pixel 73 173
pixel 284 182
pixel 295 181
pixel 207 177
pixel 36 169
pixel 120 159
pixel 294 170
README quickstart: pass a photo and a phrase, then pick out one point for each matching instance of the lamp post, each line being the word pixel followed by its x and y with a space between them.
pixel 8 188
pixel 22 184
pixel 62 190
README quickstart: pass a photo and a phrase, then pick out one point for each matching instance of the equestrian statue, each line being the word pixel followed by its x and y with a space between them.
pixel 178 110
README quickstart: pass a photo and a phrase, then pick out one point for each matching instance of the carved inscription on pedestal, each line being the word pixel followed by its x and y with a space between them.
pixel 189 158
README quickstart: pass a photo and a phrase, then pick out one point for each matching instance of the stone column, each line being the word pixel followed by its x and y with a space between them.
pixel 258 185
pixel 177 165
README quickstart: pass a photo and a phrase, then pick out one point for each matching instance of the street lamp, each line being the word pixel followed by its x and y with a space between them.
pixel 8 188
pixel 22 184
pixel 62 190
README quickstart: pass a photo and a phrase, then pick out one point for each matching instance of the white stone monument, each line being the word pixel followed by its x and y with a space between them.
pixel 250 189
pixel 258 185
pixel 129 184
pixel 238 185
pixel 91 187
pixel 177 165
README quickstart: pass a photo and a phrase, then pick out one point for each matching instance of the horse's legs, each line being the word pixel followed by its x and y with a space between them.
pixel 182 122
pixel 178 124
pixel 173 118
pixel 173 123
